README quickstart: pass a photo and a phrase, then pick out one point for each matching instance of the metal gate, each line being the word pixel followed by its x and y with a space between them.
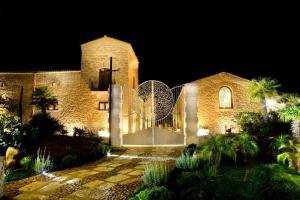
pixel 157 115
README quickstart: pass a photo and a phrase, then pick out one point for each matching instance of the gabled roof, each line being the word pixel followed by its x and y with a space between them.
pixel 222 74
pixel 105 39
pixel 109 40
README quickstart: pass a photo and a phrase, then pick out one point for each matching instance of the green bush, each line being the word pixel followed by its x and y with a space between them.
pixel 186 179
pixel 27 162
pixel 42 163
pixel 189 150
pixel 245 145
pixel 89 153
pixel 46 125
pixel 10 132
pixel 187 162
pixel 83 132
pixel 102 149
pixel 156 173
pixel 155 193
pixel 68 161
pixel 78 131
pixel 215 147
pixel 18 175
pixel 249 121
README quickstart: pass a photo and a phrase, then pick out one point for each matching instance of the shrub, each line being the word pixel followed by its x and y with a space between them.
pixel 78 131
pixel 46 125
pixel 156 173
pixel 155 193
pixel 189 150
pixel 244 144
pixel 187 162
pixel 249 121
pixel 68 161
pixel 215 147
pixel 103 149
pixel 278 143
pixel 10 132
pixel 68 149
pixel 89 153
pixel 42 163
pixel 27 162
pixel 212 171
pixel 290 154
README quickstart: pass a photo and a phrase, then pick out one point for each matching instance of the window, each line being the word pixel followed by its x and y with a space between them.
pixel 104 76
pixel 52 107
pixel 103 105
pixel 225 98
pixel 133 83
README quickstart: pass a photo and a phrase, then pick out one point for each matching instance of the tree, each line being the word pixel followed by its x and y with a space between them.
pixel 10 132
pixel 262 88
pixel 4 101
pixel 42 98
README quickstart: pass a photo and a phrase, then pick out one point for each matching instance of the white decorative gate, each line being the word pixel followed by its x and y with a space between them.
pixel 157 115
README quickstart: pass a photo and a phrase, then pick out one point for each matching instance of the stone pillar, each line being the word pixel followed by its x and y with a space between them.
pixel 116 115
pixel 191 109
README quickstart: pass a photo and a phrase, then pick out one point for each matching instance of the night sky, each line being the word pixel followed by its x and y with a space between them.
pixel 174 43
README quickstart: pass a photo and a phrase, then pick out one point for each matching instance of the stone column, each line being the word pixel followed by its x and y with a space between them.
pixel 116 115
pixel 191 109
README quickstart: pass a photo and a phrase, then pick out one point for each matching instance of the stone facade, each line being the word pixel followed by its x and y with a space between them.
pixel 210 115
pixel 79 94
pixel 78 98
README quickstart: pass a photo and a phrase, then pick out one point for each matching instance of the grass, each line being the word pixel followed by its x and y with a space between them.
pixel 17 175
pixel 156 173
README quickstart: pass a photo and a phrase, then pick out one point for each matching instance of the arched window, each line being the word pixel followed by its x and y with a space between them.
pixel 225 98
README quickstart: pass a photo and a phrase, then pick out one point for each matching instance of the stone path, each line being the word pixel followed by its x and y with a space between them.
pixel 113 177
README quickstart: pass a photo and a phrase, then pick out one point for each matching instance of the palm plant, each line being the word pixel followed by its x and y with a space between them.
pixel 290 154
pixel 291 112
pixel 278 143
pixel 289 99
pixel 262 88
pixel 42 98
pixel 214 147
pixel 245 145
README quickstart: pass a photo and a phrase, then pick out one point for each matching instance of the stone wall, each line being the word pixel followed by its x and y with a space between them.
pixel 209 114
pixel 96 54
pixel 78 106
pixel 18 87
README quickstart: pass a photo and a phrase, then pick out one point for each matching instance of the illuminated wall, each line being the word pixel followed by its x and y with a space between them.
pixel 95 55
pixel 210 115
pixel 78 102
pixel 19 87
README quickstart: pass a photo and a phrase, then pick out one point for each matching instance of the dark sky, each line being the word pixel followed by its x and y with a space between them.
pixel 174 43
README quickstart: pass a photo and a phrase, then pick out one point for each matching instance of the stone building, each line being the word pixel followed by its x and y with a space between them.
pixel 206 104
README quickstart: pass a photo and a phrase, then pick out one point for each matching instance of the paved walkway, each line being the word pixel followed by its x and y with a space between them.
pixel 113 177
